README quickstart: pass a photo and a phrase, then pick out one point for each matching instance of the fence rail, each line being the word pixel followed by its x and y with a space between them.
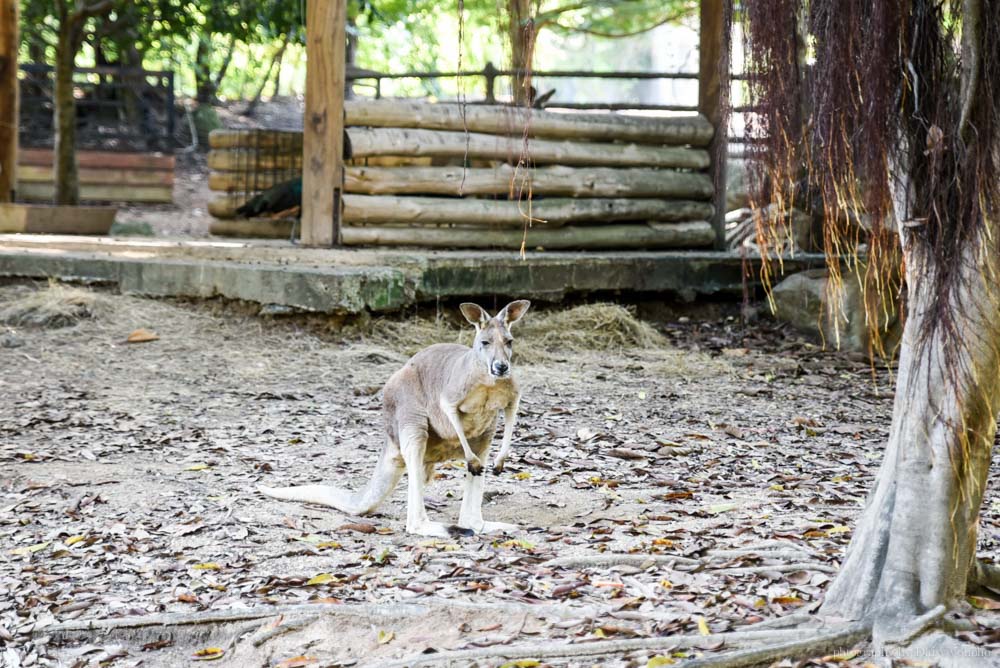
pixel 490 73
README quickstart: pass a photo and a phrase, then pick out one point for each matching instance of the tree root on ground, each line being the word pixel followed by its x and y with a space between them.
pixel 669 560
pixel 794 642
pixel 986 575
pixel 607 560
pixel 820 643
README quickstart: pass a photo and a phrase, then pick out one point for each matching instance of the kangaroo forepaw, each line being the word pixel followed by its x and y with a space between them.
pixel 498 468
pixel 474 466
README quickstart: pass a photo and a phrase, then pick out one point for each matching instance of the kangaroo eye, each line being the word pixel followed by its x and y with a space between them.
pixel 509 342
pixel 486 344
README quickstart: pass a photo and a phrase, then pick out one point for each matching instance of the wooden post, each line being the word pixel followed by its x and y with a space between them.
pixel 713 96
pixel 8 98
pixel 323 129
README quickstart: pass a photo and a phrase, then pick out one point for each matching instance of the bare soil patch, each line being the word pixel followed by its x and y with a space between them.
pixel 711 455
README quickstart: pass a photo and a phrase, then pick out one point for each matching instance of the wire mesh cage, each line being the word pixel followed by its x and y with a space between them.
pixel 259 160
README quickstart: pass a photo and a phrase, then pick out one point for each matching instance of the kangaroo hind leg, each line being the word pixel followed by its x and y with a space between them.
pixel 413 445
pixel 471 515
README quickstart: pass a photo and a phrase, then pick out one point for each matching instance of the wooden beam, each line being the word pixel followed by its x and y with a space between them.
pixel 9 44
pixel 713 96
pixel 323 136
pixel 499 180
pixel 515 122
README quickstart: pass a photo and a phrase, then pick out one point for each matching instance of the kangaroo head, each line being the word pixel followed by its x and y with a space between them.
pixel 494 346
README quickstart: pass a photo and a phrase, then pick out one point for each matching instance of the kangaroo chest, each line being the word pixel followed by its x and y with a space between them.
pixel 478 411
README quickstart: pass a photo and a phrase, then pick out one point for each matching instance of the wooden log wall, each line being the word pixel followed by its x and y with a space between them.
pixel 595 181
pixel 104 176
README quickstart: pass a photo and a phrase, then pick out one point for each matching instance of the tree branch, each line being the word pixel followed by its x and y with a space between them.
pixel 618 35
pixel 84 11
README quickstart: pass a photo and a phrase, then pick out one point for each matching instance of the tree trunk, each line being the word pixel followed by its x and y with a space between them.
pixel 204 86
pixel 521 29
pixel 439 144
pixel 600 237
pixel 66 178
pixel 692 129
pixel 275 60
pixel 553 212
pixel 505 180
pixel 914 548
pixel 224 68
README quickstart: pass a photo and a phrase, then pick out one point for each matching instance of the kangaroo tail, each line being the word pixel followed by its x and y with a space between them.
pixel 383 481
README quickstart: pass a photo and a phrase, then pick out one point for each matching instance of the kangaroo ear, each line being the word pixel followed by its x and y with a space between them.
pixel 513 312
pixel 475 314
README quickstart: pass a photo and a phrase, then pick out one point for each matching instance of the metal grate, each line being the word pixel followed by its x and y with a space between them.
pixel 125 109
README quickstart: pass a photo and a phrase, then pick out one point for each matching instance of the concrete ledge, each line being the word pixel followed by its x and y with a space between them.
pixel 356 280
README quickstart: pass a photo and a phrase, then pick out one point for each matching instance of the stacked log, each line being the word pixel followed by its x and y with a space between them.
pixel 592 181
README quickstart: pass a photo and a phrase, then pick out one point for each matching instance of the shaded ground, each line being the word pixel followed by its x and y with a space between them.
pixel 129 473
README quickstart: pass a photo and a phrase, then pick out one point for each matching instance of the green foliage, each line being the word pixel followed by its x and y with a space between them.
pixel 390 35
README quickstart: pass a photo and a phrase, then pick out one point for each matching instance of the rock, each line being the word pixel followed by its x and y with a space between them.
pixel 837 315
pixel 11 341
pixel 138 228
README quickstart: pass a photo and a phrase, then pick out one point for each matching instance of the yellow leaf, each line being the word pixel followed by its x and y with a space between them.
pixel 840 528
pixel 600 633
pixel 721 508
pixel 29 549
pixel 841 658
pixel 208 654
pixel 659 660
pixel 297 662
pixel 642 395
pixel 778 488
pixel 209 566
pixel 385 637
pixel 328 544
pixel 73 540
pixel 665 542
pixel 197 467
pixel 522 663
pixel 143 335
pixel 703 627
pixel 788 600
pixel 666 584
pixel 322 578
pixel 523 475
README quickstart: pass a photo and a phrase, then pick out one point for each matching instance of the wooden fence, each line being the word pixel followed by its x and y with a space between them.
pixel 105 176
pixel 555 180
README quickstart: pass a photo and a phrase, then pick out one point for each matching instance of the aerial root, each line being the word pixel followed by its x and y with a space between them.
pixel 670 560
pixel 283 627
pixel 788 642
pixel 609 560
pixel 821 643
pixel 917 625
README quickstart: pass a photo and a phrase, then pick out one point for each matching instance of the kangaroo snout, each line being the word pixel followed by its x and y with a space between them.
pixel 500 369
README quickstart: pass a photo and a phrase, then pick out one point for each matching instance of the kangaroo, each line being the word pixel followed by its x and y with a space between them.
pixel 442 405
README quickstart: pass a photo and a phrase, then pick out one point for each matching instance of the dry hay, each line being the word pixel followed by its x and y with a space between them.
pixel 544 335
pixel 55 306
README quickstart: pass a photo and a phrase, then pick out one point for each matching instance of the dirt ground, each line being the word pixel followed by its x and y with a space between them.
pixel 727 463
